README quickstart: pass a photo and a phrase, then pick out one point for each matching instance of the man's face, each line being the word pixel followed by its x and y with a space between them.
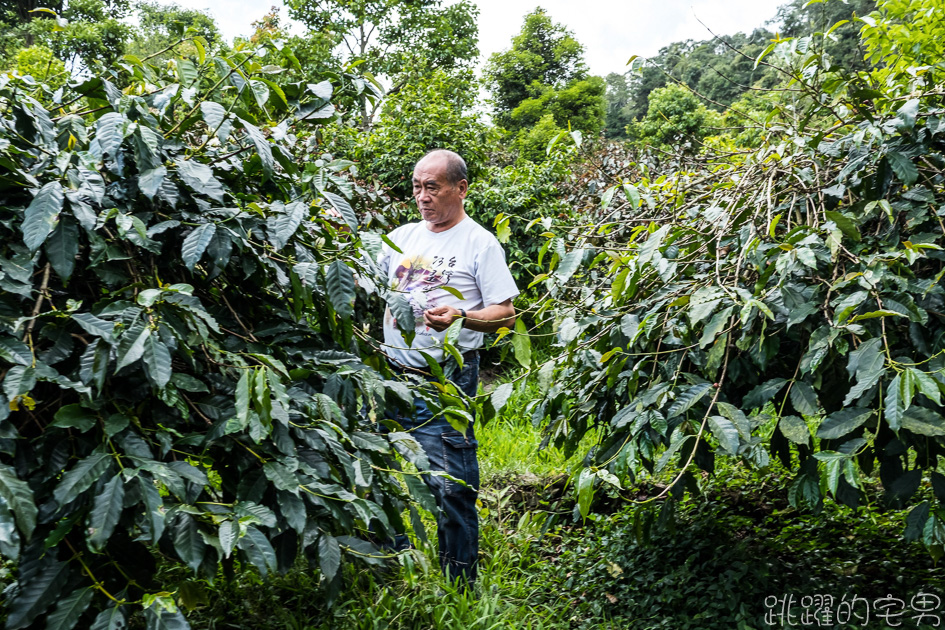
pixel 440 203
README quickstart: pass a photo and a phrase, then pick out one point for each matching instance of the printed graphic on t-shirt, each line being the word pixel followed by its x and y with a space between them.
pixel 417 277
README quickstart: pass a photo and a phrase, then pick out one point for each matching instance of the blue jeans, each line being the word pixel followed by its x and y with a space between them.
pixel 449 451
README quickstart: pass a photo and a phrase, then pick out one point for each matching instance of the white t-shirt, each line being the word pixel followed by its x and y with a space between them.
pixel 466 258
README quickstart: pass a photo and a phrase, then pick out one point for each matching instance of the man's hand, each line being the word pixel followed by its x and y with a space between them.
pixel 441 317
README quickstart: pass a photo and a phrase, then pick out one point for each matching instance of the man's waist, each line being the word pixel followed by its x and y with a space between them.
pixel 468 356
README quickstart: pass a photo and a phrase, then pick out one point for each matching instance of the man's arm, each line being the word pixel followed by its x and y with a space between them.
pixel 488 319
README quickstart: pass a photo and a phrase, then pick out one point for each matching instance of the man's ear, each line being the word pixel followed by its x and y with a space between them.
pixel 463 187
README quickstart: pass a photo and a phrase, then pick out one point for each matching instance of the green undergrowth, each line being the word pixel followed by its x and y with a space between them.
pixel 706 562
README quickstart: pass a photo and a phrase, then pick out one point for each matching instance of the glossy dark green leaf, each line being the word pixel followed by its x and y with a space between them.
pixel 188 543
pixel 757 397
pixel 13 350
pixel 158 618
pixel 923 421
pixel 158 359
pixel 725 432
pixel 38 594
pixel 329 555
pixel 227 534
pixel 687 398
pixel 19 497
pixel 344 208
pixel 261 144
pixel 196 244
pixel 74 417
pixel 69 609
pixel 19 380
pixel 131 344
pixel 843 422
pixel 81 477
pixel 94 325
pixel 112 618
pixel 9 537
pixel 62 246
pixel 339 279
pixel 150 180
pixel 258 550
pixel 284 224
pixel 106 510
pixel 42 215
pixel 804 399
pixel 903 167
pixel 893 403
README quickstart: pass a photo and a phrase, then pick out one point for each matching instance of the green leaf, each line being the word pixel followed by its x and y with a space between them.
pixel 95 326
pixel 843 422
pixel 633 195
pixel 162 619
pixel 585 490
pixel 795 429
pixel 757 397
pixel 213 114
pixel 35 595
pixel 737 417
pixel 923 421
pixel 9 538
pixel 905 170
pixel 687 398
pixel 329 555
pixel 522 344
pixel 150 180
pixel 74 417
pixel 281 477
pixel 715 326
pixel 188 543
pixel 69 609
pixel 19 380
pixel 42 215
pixel 343 207
pixel 158 359
pixel 893 404
pixel 131 345
pixel 403 315
pixel 227 535
pixel 846 225
pixel 153 507
pixel 804 399
pixel 500 396
pixel 725 432
pixel 81 477
pixel 110 619
pixel 106 510
pixel 15 351
pixel 196 244
pixel 284 224
pixel 259 141
pixel 62 246
pixel 926 385
pixel 258 550
pixel 340 284
pixel 186 71
pixel 19 497
pixel 630 326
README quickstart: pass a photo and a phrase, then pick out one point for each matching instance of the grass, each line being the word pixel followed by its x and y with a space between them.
pixel 701 563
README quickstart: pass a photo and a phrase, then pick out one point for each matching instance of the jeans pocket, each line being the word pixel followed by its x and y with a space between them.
pixel 461 462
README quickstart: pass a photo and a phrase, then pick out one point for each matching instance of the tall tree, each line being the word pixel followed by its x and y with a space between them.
pixel 85 33
pixel 617 98
pixel 161 25
pixel 387 36
pixel 544 54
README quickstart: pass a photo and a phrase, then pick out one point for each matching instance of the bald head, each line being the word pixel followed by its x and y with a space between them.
pixel 455 171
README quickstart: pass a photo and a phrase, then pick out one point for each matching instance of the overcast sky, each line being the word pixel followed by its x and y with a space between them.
pixel 612 31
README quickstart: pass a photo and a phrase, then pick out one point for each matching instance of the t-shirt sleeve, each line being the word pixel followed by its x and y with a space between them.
pixel 495 281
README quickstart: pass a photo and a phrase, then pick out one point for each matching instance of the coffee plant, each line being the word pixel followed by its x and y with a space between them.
pixel 183 374
pixel 784 301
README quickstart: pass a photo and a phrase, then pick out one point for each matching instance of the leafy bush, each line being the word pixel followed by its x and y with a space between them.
pixel 181 370
pixel 796 284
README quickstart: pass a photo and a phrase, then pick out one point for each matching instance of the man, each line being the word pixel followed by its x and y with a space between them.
pixel 447 249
